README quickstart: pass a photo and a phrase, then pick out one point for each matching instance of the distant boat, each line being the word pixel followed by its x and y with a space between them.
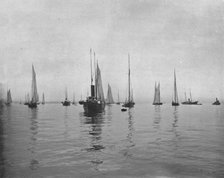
pixel 73 101
pixel 95 103
pixel 109 99
pixel 217 102
pixel 34 95
pixel 189 101
pixel 66 102
pixel 43 99
pixel 9 98
pixel 27 99
pixel 157 100
pixel 118 99
pixel 129 103
pixel 81 101
pixel 175 101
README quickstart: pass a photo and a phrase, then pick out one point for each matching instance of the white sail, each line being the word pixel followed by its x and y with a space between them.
pixel 157 94
pixel 34 94
pixel 109 99
pixel 43 99
pixel 9 98
pixel 98 85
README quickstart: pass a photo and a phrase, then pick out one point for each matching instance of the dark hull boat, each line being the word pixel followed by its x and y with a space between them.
pixel 91 105
pixel 66 103
pixel 157 103
pixel 32 105
pixel 128 104
pixel 216 102
pixel 175 104
pixel 95 103
pixel 81 102
pixel 190 102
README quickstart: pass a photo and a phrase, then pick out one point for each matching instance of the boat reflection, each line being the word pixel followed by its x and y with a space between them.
pixel 94 123
pixel 175 115
pixel 33 139
pixel 2 158
pixel 157 117
pixel 130 134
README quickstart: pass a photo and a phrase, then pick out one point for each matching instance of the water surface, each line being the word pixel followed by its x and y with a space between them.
pixel 145 141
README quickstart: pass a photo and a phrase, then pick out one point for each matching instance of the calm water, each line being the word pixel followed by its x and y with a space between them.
pixel 146 141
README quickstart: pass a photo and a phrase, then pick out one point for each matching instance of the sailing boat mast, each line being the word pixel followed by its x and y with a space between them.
pixel 129 80
pixel 175 99
pixel 43 99
pixel 190 95
pixel 175 88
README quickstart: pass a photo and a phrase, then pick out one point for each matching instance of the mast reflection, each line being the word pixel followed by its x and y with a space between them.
pixel 130 133
pixel 2 158
pixel 34 131
pixel 157 117
pixel 95 123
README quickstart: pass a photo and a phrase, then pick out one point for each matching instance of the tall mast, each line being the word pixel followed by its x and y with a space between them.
pixel 95 70
pixel 159 91
pixel 118 96
pixel 91 66
pixel 185 96
pixel 175 88
pixel 129 80
pixel 190 95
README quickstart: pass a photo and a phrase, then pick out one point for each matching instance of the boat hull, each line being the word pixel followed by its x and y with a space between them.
pixel 66 103
pixel 175 104
pixel 157 103
pixel 128 105
pixel 93 106
pixel 216 103
pixel 32 105
pixel 190 102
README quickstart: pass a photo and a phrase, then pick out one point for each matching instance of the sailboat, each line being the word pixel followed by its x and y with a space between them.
pixel 27 99
pixel 95 102
pixel 73 101
pixel 43 99
pixel 9 98
pixel 157 95
pixel 118 99
pixel 217 102
pixel 175 101
pixel 109 99
pixel 34 95
pixel 189 101
pixel 129 103
pixel 81 101
pixel 66 102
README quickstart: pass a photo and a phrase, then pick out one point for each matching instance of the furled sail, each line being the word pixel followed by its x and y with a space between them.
pixel 98 85
pixel 109 99
pixel 34 94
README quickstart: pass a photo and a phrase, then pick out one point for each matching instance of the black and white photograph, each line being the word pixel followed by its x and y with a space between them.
pixel 112 88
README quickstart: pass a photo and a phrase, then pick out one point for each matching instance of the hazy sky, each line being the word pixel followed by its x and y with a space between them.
pixel 160 35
